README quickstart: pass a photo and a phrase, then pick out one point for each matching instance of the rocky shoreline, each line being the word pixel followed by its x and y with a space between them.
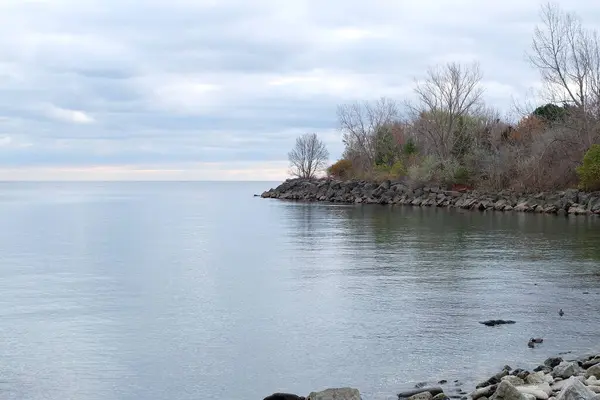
pixel 567 202
pixel 555 379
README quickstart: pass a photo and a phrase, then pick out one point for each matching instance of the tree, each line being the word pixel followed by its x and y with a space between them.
pixel 360 123
pixel 308 157
pixel 448 94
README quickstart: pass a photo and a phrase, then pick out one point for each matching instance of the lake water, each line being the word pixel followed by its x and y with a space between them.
pixel 200 291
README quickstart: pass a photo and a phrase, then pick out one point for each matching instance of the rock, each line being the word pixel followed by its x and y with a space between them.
pixel 574 389
pixel 535 378
pixel 553 361
pixel 541 391
pixel 440 396
pixel 493 380
pixel 529 396
pixel 494 322
pixel 594 388
pixel 542 368
pixel 335 394
pixel 514 380
pixel 283 396
pixel 592 381
pixel 432 390
pixel 483 392
pixel 506 391
pixel 594 370
pixel 566 369
pixel 442 382
pixel 560 384
pixel 421 396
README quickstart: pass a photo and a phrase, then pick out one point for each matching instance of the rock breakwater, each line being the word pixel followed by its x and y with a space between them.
pixel 566 202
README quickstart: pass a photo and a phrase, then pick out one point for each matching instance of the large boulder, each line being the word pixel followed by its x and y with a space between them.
pixel 514 380
pixel 594 370
pixel 536 377
pixel 506 391
pixel 575 390
pixel 566 369
pixel 335 394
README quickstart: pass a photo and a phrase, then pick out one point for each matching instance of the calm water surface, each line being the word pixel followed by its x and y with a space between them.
pixel 200 291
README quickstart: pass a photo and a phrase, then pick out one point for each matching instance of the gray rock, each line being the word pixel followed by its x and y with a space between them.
pixel 594 370
pixel 432 390
pixel 594 388
pixel 559 384
pixel 440 396
pixel 566 369
pixel 335 394
pixel 574 389
pixel 535 378
pixel 514 380
pixel 421 396
pixel 483 392
pixel 592 381
pixel 541 391
pixel 506 391
pixel 553 361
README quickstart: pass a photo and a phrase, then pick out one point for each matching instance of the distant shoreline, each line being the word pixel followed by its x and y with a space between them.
pixel 566 202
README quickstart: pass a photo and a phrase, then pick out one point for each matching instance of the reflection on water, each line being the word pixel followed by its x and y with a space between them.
pixel 198 290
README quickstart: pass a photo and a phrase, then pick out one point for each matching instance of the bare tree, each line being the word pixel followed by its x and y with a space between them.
pixel 447 95
pixel 308 157
pixel 567 57
pixel 360 122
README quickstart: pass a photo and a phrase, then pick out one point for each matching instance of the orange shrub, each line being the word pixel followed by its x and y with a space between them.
pixel 342 169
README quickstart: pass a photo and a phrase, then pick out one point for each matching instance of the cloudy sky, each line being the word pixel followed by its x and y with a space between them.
pixel 219 89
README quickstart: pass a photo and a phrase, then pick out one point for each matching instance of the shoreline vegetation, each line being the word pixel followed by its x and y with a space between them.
pixel 565 202
pixel 576 378
pixel 446 133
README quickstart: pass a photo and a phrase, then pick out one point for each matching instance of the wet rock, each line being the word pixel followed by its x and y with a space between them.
pixel 594 370
pixel 440 396
pixel 543 368
pixel 493 380
pixel 566 369
pixel 335 394
pixel 574 389
pixel 553 361
pixel 442 382
pixel 283 396
pixel 494 322
pixel 433 390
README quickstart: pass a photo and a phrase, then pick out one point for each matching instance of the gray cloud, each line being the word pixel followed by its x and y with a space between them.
pixel 182 82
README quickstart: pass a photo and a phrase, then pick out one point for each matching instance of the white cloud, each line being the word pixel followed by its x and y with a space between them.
pixel 70 116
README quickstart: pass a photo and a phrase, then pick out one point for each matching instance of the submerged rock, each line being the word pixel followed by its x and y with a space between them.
pixel 494 322
pixel 283 396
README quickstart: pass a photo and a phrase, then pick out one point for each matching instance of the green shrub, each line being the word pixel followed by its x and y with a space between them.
pixel 589 170
pixel 462 175
pixel 342 169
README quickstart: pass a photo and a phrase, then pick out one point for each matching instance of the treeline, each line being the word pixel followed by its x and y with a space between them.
pixel 448 135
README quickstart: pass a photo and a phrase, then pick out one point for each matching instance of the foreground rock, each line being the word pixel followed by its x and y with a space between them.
pixel 568 202
pixel 335 394
pixel 576 390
